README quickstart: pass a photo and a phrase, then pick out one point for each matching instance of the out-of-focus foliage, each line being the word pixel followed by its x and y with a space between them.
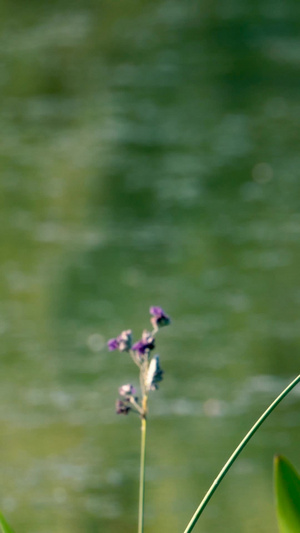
pixel 5 527
pixel 287 486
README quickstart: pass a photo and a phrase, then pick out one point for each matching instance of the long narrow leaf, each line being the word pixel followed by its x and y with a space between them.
pixel 287 488
pixel 4 526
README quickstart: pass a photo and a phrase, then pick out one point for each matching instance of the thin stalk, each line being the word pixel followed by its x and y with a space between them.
pixel 236 453
pixel 142 468
pixel 136 406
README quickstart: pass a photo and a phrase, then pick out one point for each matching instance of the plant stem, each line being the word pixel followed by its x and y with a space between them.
pixel 236 453
pixel 142 468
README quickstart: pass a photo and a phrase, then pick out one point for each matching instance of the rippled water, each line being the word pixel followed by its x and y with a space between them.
pixel 149 155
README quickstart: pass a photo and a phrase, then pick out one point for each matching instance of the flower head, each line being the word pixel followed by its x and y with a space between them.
pixel 151 374
pixel 147 342
pixel 122 408
pixel 154 374
pixel 122 342
pixel 159 317
pixel 127 390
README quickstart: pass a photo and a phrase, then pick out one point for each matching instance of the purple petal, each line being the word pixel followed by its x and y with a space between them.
pixel 139 347
pixel 155 310
pixel 113 344
pixel 159 317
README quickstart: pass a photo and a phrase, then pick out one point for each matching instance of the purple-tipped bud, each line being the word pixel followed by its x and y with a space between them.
pixel 113 344
pixel 139 347
pixel 127 390
pixel 147 342
pixel 159 317
pixel 154 374
pixel 122 342
pixel 122 408
pixel 125 340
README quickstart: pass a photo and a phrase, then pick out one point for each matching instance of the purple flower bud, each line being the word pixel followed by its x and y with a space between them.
pixel 113 344
pixel 127 390
pixel 147 342
pixel 139 347
pixel 122 342
pixel 122 408
pixel 148 339
pixel 125 340
pixel 154 374
pixel 159 317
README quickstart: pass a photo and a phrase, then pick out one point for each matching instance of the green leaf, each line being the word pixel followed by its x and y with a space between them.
pixel 4 527
pixel 287 489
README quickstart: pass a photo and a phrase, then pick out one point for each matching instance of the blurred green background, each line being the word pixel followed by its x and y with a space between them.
pixel 149 156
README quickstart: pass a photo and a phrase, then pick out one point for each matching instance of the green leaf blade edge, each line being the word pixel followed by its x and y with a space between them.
pixel 287 490
pixel 4 526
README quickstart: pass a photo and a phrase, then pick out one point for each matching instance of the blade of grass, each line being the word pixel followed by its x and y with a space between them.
pixel 236 453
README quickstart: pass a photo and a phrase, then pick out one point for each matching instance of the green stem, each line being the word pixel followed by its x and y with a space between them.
pixel 236 453
pixel 142 468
